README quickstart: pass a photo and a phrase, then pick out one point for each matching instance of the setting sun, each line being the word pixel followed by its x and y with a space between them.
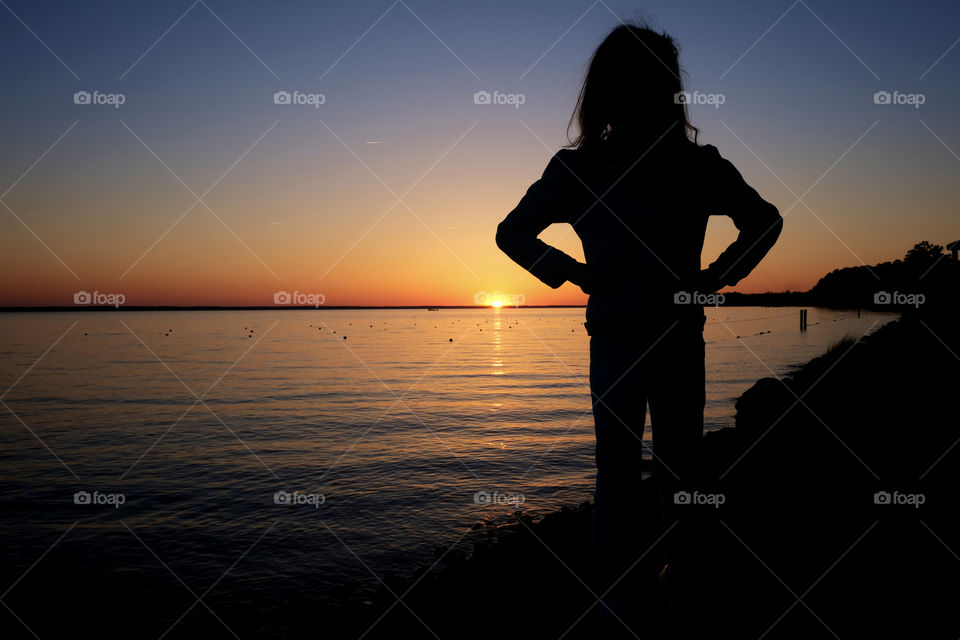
pixel 497 303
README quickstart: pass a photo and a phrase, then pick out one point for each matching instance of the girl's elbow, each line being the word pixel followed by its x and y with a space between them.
pixel 777 225
pixel 503 237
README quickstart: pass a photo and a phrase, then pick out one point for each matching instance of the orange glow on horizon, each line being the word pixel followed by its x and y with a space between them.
pixel 330 237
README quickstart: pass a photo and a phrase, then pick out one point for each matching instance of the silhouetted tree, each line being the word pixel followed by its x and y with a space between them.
pixel 922 271
pixel 924 253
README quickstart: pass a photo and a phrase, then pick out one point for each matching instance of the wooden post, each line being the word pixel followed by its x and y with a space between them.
pixel 803 319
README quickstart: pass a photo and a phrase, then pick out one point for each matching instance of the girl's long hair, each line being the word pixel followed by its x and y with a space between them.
pixel 632 93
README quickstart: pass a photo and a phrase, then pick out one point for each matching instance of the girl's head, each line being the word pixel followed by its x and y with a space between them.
pixel 632 93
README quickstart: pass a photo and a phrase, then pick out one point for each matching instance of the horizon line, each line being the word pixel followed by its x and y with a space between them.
pixel 10 309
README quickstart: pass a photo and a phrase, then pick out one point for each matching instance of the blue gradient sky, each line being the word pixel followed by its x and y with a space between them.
pixel 301 211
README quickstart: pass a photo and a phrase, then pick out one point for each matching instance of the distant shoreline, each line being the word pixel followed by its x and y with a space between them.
pixel 733 300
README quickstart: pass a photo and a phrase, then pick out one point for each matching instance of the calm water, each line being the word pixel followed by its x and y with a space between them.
pixel 199 418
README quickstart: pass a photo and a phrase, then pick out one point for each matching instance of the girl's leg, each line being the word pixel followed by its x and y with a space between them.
pixel 617 384
pixel 677 399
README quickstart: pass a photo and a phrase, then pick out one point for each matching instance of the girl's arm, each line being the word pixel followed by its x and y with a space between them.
pixel 546 202
pixel 758 222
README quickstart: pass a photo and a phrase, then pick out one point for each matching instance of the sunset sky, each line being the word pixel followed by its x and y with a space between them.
pixel 304 197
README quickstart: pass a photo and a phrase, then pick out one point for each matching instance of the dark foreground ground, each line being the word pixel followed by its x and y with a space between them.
pixel 799 549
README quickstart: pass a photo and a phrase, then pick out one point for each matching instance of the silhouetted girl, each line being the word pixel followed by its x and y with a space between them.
pixel 638 189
